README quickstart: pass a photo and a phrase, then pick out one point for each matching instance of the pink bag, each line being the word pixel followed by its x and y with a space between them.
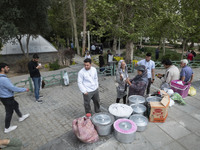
pixel 84 130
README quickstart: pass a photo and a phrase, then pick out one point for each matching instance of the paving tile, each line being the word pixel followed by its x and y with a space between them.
pixel 189 122
pixel 191 142
pixel 186 108
pixel 172 146
pixel 174 112
pixel 156 137
pixel 174 129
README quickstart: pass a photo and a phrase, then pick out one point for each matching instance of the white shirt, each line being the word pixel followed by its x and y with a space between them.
pixel 87 56
pixel 88 80
pixel 149 66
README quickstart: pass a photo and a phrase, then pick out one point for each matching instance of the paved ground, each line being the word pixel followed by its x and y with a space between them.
pixel 49 126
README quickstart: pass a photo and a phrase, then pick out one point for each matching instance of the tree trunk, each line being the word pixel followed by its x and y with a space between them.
pixel 129 52
pixel 114 47
pixel 184 46
pixel 84 27
pixel 74 25
pixel 19 37
pixel 163 46
pixel 68 42
pixel 119 53
pixel 27 44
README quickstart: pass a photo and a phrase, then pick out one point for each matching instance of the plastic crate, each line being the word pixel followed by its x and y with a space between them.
pixel 181 89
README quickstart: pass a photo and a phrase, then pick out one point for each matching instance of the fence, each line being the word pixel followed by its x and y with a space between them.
pixel 56 79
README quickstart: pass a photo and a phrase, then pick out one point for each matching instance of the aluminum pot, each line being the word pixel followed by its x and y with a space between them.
pixel 140 120
pixel 136 99
pixel 138 109
pixel 124 130
pixel 153 99
pixel 103 122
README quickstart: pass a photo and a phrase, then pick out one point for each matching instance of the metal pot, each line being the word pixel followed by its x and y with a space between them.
pixel 138 108
pixel 136 99
pixel 140 120
pixel 124 130
pixel 153 99
pixel 103 122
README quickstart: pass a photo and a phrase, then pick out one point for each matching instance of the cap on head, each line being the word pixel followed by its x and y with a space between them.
pixel 140 68
pixel 35 56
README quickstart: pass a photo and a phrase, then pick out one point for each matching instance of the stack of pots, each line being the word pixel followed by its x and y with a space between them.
pixel 103 122
pixel 137 103
pixel 124 130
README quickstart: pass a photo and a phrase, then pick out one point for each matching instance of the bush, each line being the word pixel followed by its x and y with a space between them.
pixel 54 65
pixel 22 65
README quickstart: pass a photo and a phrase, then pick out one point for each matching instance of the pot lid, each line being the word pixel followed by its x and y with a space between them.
pixel 136 99
pixel 140 120
pixel 125 126
pixel 138 108
pixel 153 99
pixel 102 118
pixel 120 110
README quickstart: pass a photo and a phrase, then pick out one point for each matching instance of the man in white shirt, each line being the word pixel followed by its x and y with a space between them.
pixel 88 85
pixel 150 66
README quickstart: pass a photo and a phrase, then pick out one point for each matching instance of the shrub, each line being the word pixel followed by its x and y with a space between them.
pixel 22 65
pixel 54 65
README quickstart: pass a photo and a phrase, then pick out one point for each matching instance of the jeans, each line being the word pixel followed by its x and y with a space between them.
pixel 10 104
pixel 37 83
pixel 148 86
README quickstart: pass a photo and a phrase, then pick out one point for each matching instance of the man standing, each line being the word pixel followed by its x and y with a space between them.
pixel 33 68
pixel 171 73
pixel 88 85
pixel 7 90
pixel 186 74
pixel 150 66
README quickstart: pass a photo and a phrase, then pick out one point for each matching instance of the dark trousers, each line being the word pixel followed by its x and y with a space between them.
pixel 10 105
pixel 124 99
pixel 148 86
pixel 87 98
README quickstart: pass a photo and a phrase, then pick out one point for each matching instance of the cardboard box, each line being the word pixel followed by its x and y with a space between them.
pixel 159 110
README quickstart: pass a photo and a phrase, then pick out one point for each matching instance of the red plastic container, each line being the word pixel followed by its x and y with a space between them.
pixel 181 89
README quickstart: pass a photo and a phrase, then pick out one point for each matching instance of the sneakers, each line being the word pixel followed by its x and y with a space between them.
pixel 11 128
pixel 39 101
pixel 41 96
pixel 24 117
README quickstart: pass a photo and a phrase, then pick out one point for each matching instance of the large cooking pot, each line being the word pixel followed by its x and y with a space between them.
pixel 140 120
pixel 124 130
pixel 120 110
pixel 153 99
pixel 138 109
pixel 136 99
pixel 103 122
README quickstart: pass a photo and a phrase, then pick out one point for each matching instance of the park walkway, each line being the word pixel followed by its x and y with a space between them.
pixel 50 124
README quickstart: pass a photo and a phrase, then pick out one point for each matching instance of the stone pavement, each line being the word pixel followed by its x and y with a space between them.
pixel 49 126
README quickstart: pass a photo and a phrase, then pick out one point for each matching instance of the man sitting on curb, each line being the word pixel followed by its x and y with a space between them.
pixel 186 74
pixel 7 90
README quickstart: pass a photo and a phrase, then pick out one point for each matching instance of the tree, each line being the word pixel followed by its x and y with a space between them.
pixel 84 27
pixel 30 20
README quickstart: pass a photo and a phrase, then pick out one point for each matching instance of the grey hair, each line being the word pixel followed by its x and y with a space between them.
pixel 185 61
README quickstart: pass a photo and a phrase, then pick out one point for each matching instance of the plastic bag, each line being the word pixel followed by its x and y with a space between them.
pixel 66 79
pixel 177 97
pixel 84 130
pixel 192 91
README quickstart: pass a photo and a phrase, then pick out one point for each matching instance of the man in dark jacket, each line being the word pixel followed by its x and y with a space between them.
pixel 33 68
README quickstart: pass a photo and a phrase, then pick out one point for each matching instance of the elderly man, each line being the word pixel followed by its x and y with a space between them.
pixel 186 74
pixel 88 85
pixel 171 73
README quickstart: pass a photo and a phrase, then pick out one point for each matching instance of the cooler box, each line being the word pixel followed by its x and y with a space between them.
pixel 181 89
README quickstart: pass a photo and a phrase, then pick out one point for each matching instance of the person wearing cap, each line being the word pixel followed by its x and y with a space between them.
pixel 7 90
pixel 150 66
pixel 33 68
pixel 138 84
pixel 171 73
pixel 186 74
pixel 121 76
